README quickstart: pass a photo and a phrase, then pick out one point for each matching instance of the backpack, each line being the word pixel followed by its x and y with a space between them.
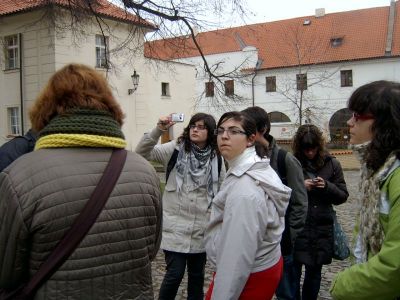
pixel 172 162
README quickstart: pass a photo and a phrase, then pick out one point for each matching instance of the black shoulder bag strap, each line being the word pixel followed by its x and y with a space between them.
pixel 80 227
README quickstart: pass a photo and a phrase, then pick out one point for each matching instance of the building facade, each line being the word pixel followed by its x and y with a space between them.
pixel 34 48
pixel 300 70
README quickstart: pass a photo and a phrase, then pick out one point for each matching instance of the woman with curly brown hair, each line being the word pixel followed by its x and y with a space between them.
pixel 375 138
pixel 42 193
pixel 194 174
pixel 324 181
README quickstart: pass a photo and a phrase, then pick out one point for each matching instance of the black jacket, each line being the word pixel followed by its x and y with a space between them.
pixel 296 212
pixel 18 146
pixel 314 245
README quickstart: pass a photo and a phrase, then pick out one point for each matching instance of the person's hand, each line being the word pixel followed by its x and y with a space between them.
pixel 309 184
pixel 320 184
pixel 164 123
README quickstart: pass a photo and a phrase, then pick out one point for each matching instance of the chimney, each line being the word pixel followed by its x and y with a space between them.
pixel 319 12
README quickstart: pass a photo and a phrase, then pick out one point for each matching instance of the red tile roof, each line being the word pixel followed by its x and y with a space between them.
pixel 105 8
pixel 363 33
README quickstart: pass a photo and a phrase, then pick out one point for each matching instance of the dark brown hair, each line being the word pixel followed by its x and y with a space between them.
pixel 382 100
pixel 73 86
pixel 309 136
pixel 210 124
pixel 248 124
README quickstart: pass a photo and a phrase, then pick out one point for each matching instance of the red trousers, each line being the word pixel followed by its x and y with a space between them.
pixel 259 285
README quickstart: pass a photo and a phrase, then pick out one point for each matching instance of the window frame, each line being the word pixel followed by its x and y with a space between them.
pixel 13 121
pixel 301 81
pixel 346 78
pixel 270 84
pixel 209 89
pixel 12 48
pixel 165 92
pixel 229 86
pixel 274 115
pixel 102 52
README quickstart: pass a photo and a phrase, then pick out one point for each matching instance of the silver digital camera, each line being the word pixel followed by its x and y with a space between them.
pixel 178 117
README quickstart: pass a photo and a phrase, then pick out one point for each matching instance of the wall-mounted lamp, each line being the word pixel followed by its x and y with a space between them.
pixel 135 81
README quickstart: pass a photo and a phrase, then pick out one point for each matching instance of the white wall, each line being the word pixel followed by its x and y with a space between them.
pixel 38 65
pixel 45 52
pixel 147 104
pixel 227 62
pixel 323 98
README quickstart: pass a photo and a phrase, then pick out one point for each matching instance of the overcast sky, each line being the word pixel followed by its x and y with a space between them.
pixel 272 10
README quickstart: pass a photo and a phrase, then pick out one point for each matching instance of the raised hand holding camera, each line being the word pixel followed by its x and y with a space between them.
pixel 164 123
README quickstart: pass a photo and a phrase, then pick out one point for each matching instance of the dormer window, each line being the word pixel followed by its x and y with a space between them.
pixel 306 22
pixel 336 41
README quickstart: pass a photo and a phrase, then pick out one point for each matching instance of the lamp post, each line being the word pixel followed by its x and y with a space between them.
pixel 135 81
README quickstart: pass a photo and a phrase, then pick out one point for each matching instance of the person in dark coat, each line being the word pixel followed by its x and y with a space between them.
pixel 325 184
pixel 16 147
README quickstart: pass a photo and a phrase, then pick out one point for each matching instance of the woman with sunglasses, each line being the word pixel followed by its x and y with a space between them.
pixel 247 217
pixel 325 185
pixel 194 173
pixel 375 138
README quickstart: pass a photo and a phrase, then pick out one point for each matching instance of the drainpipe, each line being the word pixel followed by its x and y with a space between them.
pixel 21 90
pixel 258 64
pixel 252 87
pixel 389 36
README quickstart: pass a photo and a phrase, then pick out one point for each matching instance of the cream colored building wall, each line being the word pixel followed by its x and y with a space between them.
pixel 44 52
pixel 148 104
pixel 38 65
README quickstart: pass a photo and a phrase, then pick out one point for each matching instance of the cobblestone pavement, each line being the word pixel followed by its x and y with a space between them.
pixel 346 216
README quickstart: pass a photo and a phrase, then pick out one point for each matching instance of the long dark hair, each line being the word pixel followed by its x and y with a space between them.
pixel 210 124
pixel 248 124
pixel 309 136
pixel 382 100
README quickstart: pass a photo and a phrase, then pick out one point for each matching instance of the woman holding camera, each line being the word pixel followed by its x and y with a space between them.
pixel 324 181
pixel 194 173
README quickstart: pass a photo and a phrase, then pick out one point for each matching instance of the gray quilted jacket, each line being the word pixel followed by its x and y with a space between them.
pixel 42 193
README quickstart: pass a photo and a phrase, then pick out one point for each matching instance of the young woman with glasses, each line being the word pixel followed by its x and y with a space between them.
pixel 375 138
pixel 247 217
pixel 195 173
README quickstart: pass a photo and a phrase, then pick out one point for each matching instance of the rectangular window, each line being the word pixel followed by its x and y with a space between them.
pixel 301 80
pixel 11 52
pixel 346 78
pixel 101 51
pixel 165 89
pixel 13 121
pixel 210 89
pixel 229 87
pixel 271 83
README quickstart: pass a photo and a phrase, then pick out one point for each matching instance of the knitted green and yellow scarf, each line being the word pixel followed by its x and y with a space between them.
pixel 82 128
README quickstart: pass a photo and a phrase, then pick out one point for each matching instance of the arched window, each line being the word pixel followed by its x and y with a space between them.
pixel 338 128
pixel 278 117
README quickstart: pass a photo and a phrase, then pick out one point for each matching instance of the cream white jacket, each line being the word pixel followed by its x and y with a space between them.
pixel 185 213
pixel 246 224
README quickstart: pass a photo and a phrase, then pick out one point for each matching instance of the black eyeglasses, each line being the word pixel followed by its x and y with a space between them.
pixel 199 127
pixel 362 117
pixel 230 131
